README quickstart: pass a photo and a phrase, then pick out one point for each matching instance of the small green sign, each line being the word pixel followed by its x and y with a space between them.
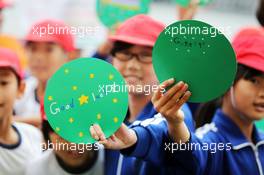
pixel 114 12
pixel 198 54
pixel 84 92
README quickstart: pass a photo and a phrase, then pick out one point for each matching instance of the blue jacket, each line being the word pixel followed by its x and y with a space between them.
pixel 239 156
pixel 218 148
pixel 116 163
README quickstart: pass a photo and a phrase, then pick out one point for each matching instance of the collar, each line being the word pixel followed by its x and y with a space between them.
pixel 233 133
pixel 13 146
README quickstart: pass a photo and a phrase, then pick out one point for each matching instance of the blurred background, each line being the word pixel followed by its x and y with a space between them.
pixel 228 14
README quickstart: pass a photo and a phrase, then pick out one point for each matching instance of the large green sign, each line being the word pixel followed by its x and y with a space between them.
pixel 198 54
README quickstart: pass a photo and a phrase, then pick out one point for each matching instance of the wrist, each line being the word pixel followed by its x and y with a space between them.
pixel 133 138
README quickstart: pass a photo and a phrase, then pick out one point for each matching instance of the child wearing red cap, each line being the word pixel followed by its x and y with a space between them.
pixel 48 44
pixel 233 121
pixel 131 55
pixel 19 143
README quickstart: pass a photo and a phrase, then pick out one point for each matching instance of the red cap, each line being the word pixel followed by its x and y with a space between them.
pixel 52 31
pixel 9 59
pixel 248 45
pixel 139 30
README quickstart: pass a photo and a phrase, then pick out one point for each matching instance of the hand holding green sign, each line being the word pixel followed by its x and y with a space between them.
pixel 84 92
pixel 198 54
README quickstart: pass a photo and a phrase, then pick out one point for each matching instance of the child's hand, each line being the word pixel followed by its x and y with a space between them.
pixel 121 139
pixel 169 104
pixel 188 12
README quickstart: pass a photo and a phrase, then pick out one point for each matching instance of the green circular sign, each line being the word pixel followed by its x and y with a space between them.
pixel 84 92
pixel 260 125
pixel 198 54
pixel 113 12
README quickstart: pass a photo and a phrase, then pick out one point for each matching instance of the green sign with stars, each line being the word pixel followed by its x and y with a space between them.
pixel 114 12
pixel 198 54
pixel 84 92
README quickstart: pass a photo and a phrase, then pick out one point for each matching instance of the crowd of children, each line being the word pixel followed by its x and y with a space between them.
pixel 156 125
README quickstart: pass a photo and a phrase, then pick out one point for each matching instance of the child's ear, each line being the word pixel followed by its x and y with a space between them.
pixel 21 89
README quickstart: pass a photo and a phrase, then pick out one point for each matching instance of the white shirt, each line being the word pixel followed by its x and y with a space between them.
pixel 14 158
pixel 48 164
pixel 28 106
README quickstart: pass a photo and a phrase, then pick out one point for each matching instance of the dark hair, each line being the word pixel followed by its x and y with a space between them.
pixel 260 12
pixel 46 129
pixel 17 76
pixel 205 112
pixel 120 46
pixel 18 79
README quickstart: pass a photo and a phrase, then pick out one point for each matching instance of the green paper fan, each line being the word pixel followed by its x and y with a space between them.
pixel 114 12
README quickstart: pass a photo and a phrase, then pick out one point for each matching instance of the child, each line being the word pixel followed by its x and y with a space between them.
pixel 131 55
pixel 19 143
pixel 65 158
pixel 233 122
pixel 48 45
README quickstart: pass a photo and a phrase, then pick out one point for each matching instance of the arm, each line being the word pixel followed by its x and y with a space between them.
pixel 145 140
pixel 174 98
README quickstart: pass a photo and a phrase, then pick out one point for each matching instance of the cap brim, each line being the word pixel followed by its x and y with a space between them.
pixel 132 40
pixel 47 38
pixel 9 65
pixel 258 66
pixel 38 38
pixel 5 64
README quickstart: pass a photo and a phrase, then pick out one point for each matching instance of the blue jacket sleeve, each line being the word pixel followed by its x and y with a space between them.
pixel 152 134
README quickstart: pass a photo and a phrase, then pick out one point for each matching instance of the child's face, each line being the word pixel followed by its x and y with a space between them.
pixel 135 72
pixel 71 157
pixel 9 91
pixel 249 97
pixel 44 59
